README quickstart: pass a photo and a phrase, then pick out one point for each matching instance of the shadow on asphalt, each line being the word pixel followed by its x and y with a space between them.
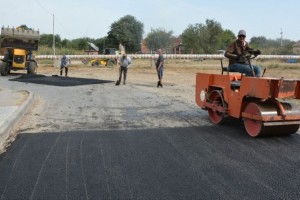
pixel 60 81
pixel 211 162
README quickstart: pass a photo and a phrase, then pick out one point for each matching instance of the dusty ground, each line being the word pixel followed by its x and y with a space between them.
pixel 179 75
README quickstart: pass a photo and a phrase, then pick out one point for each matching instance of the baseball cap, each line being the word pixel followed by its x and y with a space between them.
pixel 242 32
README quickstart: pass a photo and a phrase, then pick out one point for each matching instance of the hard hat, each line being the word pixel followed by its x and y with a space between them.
pixel 242 32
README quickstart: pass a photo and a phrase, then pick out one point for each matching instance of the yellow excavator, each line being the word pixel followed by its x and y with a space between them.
pixel 105 61
pixel 18 45
pixel 101 61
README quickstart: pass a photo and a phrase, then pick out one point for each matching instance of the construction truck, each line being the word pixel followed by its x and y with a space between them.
pixel 18 45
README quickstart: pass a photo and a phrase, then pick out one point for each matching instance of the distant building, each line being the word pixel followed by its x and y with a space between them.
pixel 144 48
pixel 296 48
pixel 176 48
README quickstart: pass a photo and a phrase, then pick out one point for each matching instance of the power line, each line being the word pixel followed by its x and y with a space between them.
pixel 54 18
pixel 63 26
pixel 50 13
pixel 53 45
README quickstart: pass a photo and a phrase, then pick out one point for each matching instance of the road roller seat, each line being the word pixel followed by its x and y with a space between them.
pixel 235 83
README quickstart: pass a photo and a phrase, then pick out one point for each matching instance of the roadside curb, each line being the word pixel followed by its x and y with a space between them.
pixel 11 122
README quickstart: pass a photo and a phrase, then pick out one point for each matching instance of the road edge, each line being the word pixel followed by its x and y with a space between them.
pixel 11 123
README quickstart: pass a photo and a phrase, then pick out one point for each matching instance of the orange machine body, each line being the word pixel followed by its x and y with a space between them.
pixel 229 95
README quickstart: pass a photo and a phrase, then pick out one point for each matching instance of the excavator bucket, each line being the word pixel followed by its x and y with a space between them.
pixel 19 38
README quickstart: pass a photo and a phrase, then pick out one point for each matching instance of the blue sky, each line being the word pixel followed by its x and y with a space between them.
pixel 92 18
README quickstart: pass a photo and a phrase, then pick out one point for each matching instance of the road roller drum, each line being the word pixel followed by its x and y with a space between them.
pixel 265 118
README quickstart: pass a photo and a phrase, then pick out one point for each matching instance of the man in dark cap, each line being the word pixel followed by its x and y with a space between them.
pixel 236 52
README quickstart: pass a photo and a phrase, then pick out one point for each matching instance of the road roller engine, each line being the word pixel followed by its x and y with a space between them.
pixel 18 45
pixel 266 105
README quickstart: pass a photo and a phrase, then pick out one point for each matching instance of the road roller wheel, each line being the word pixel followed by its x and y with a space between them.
pixel 256 128
pixel 216 98
pixel 253 127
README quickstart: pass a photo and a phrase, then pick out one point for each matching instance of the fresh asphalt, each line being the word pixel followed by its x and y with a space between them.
pixel 141 161
pixel 179 163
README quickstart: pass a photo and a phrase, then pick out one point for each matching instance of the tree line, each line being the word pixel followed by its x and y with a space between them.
pixel 199 38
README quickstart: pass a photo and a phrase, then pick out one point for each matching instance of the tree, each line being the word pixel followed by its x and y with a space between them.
pixel 226 37
pixel 206 38
pixel 191 38
pixel 80 43
pixel 128 32
pixel 269 46
pixel 65 43
pixel 159 39
pixel 47 39
pixel 259 42
pixel 210 41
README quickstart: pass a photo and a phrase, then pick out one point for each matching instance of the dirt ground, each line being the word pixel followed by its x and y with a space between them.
pixel 179 75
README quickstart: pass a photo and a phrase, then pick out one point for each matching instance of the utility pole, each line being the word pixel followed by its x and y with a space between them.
pixel 281 37
pixel 53 37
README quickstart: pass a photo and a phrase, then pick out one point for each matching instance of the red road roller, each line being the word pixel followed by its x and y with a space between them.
pixel 264 104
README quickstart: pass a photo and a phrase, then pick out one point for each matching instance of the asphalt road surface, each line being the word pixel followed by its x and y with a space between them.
pixel 88 139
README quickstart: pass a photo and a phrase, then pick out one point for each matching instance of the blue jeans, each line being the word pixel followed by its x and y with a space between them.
pixel 160 73
pixel 245 69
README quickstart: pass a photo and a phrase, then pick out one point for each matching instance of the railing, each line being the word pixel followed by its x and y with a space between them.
pixel 166 56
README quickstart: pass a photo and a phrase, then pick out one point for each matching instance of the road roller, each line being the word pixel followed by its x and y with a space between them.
pixel 267 106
